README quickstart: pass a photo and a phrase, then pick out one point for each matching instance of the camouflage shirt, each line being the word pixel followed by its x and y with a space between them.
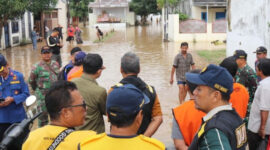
pixel 42 76
pixel 247 77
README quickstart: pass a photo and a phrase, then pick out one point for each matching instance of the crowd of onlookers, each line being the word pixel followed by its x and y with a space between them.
pixel 228 107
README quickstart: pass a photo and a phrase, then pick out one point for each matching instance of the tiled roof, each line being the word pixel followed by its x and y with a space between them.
pixel 109 3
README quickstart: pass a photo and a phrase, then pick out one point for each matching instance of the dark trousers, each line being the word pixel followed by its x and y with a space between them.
pixel 3 128
pixel 254 139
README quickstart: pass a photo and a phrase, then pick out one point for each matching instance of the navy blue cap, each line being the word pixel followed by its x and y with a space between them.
pixel 45 49
pixel 79 58
pixel 125 100
pixel 3 62
pixel 260 50
pixel 215 77
pixel 240 54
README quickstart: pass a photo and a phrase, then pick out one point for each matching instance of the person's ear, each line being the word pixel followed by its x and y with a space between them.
pixel 139 118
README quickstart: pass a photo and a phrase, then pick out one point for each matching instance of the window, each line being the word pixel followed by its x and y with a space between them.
pixel 220 15
pixel 54 15
pixel 204 16
pixel 15 26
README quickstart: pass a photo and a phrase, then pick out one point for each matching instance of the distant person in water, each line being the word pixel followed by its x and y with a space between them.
pixel 99 33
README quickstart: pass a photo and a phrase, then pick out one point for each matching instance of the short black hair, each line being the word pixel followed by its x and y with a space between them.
pixel 74 50
pixel 92 63
pixel 225 97
pixel 184 44
pixel 230 64
pixel 123 120
pixel 190 85
pixel 264 66
pixel 59 97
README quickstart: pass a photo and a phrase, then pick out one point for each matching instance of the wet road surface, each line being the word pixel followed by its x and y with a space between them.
pixel 156 59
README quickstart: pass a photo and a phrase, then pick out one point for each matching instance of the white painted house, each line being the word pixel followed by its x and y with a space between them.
pixel 16 31
pixel 108 13
pixel 248 27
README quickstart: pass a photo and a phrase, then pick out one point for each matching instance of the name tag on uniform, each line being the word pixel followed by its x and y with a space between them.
pixel 241 135
pixel 14 82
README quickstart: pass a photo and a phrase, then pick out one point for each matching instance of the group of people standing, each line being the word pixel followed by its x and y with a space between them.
pixel 220 121
pixel 67 103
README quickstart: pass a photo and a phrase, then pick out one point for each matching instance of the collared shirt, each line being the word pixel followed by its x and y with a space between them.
pixel 215 138
pixel 110 142
pixel 14 86
pixel 261 102
pixel 214 111
pixel 95 98
pixel 182 65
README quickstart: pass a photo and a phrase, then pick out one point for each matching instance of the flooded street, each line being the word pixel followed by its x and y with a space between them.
pixel 156 61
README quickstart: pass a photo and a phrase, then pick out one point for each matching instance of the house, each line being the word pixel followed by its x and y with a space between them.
pixel 248 27
pixel 108 13
pixel 52 18
pixel 17 31
pixel 207 21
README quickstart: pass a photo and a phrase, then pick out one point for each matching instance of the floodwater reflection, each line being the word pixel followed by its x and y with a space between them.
pixel 156 59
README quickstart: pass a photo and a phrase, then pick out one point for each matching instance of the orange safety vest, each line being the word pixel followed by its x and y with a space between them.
pixel 76 74
pixel 239 99
pixel 189 120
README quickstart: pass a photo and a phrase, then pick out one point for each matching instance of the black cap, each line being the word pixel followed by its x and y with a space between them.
pixel 45 49
pixel 3 62
pixel 240 54
pixel 74 50
pixel 260 50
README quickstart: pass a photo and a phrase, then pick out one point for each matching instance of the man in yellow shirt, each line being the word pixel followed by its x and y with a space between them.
pixel 66 109
pixel 124 111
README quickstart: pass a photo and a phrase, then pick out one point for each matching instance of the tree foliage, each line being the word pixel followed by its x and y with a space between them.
pixel 171 3
pixel 144 7
pixel 79 8
pixel 12 9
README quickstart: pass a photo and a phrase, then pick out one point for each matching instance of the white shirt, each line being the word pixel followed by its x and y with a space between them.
pixel 261 102
pixel 214 111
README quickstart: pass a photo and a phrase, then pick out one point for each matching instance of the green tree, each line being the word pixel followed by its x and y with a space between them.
pixel 143 8
pixel 171 3
pixel 79 8
pixel 12 9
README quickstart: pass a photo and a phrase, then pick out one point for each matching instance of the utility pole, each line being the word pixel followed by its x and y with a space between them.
pixel 166 22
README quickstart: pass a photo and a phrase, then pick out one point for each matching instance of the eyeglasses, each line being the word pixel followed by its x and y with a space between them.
pixel 79 105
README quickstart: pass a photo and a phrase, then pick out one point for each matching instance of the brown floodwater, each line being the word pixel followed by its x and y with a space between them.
pixel 156 59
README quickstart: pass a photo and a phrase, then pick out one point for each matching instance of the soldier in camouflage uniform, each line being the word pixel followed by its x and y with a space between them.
pixel 246 76
pixel 42 75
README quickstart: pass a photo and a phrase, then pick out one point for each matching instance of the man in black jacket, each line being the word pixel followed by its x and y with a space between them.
pixel 54 43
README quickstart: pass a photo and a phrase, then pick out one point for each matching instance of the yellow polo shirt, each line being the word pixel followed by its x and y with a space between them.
pixel 42 138
pixel 110 142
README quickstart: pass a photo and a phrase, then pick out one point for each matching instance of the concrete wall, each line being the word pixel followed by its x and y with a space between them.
pixel 92 20
pixel 174 35
pixel 248 31
pixel 196 13
pixel 131 18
